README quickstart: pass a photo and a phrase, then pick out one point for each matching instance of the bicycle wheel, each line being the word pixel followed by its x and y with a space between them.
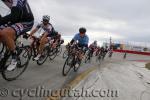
pixel 65 54
pixel 110 54
pixel 87 57
pixel 53 53
pixel 103 56
pixel 59 50
pixel 22 63
pixel 67 65
pixel 29 50
pixel 1 47
pixel 77 65
pixel 43 56
pixel 98 58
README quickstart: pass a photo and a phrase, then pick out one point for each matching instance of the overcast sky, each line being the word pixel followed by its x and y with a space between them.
pixel 124 20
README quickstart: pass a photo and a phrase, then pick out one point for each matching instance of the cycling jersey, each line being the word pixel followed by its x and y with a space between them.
pixel 82 41
pixel 20 12
pixel 93 45
pixel 48 28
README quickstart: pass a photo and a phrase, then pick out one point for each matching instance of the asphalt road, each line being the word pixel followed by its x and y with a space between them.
pixel 45 77
pixel 115 79
pixel 36 79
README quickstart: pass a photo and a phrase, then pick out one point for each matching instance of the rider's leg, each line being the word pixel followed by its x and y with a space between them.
pixel 55 43
pixel 8 36
pixel 43 41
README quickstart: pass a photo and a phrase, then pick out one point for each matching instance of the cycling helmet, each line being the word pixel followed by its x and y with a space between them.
pixel 46 18
pixel 82 30
pixel 95 42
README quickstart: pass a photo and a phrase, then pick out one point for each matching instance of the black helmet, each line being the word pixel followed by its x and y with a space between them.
pixel 82 30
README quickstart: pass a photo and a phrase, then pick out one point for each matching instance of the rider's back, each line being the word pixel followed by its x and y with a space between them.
pixel 20 12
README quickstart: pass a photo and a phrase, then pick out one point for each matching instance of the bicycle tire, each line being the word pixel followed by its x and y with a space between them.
pixel 59 50
pixel 19 66
pixel 69 58
pixel 77 63
pixel 45 51
pixel 1 48
pixel 65 54
pixel 53 53
pixel 87 57
pixel 98 58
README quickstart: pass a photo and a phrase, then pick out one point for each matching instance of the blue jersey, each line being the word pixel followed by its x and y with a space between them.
pixel 82 40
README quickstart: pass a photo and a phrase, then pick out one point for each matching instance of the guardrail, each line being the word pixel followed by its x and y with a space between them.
pixel 133 52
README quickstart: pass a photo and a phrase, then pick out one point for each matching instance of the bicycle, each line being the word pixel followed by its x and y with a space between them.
pixel 65 54
pixel 88 55
pixel 59 51
pixel 34 48
pixel 100 56
pixel 73 60
pixel 52 50
pixel 22 61
pixel 1 47
pixel 55 50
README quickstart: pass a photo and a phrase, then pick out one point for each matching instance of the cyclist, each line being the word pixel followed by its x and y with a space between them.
pixel 19 21
pixel 46 36
pixel 98 50
pixel 57 39
pixel 82 39
pixel 106 49
pixel 93 47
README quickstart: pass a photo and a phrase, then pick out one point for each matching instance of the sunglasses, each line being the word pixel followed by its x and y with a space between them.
pixel 45 20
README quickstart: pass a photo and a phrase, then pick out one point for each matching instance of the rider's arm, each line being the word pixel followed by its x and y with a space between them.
pixel 72 41
pixel 13 17
pixel 33 31
pixel 75 38
pixel 45 34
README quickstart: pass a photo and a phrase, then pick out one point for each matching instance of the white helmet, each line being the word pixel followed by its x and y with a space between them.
pixel 46 17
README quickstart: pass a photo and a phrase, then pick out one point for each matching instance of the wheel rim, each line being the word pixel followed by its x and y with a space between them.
pixel 59 51
pixel 20 68
pixel 53 54
pixel 67 66
pixel 65 54
pixel 77 66
pixel 43 57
